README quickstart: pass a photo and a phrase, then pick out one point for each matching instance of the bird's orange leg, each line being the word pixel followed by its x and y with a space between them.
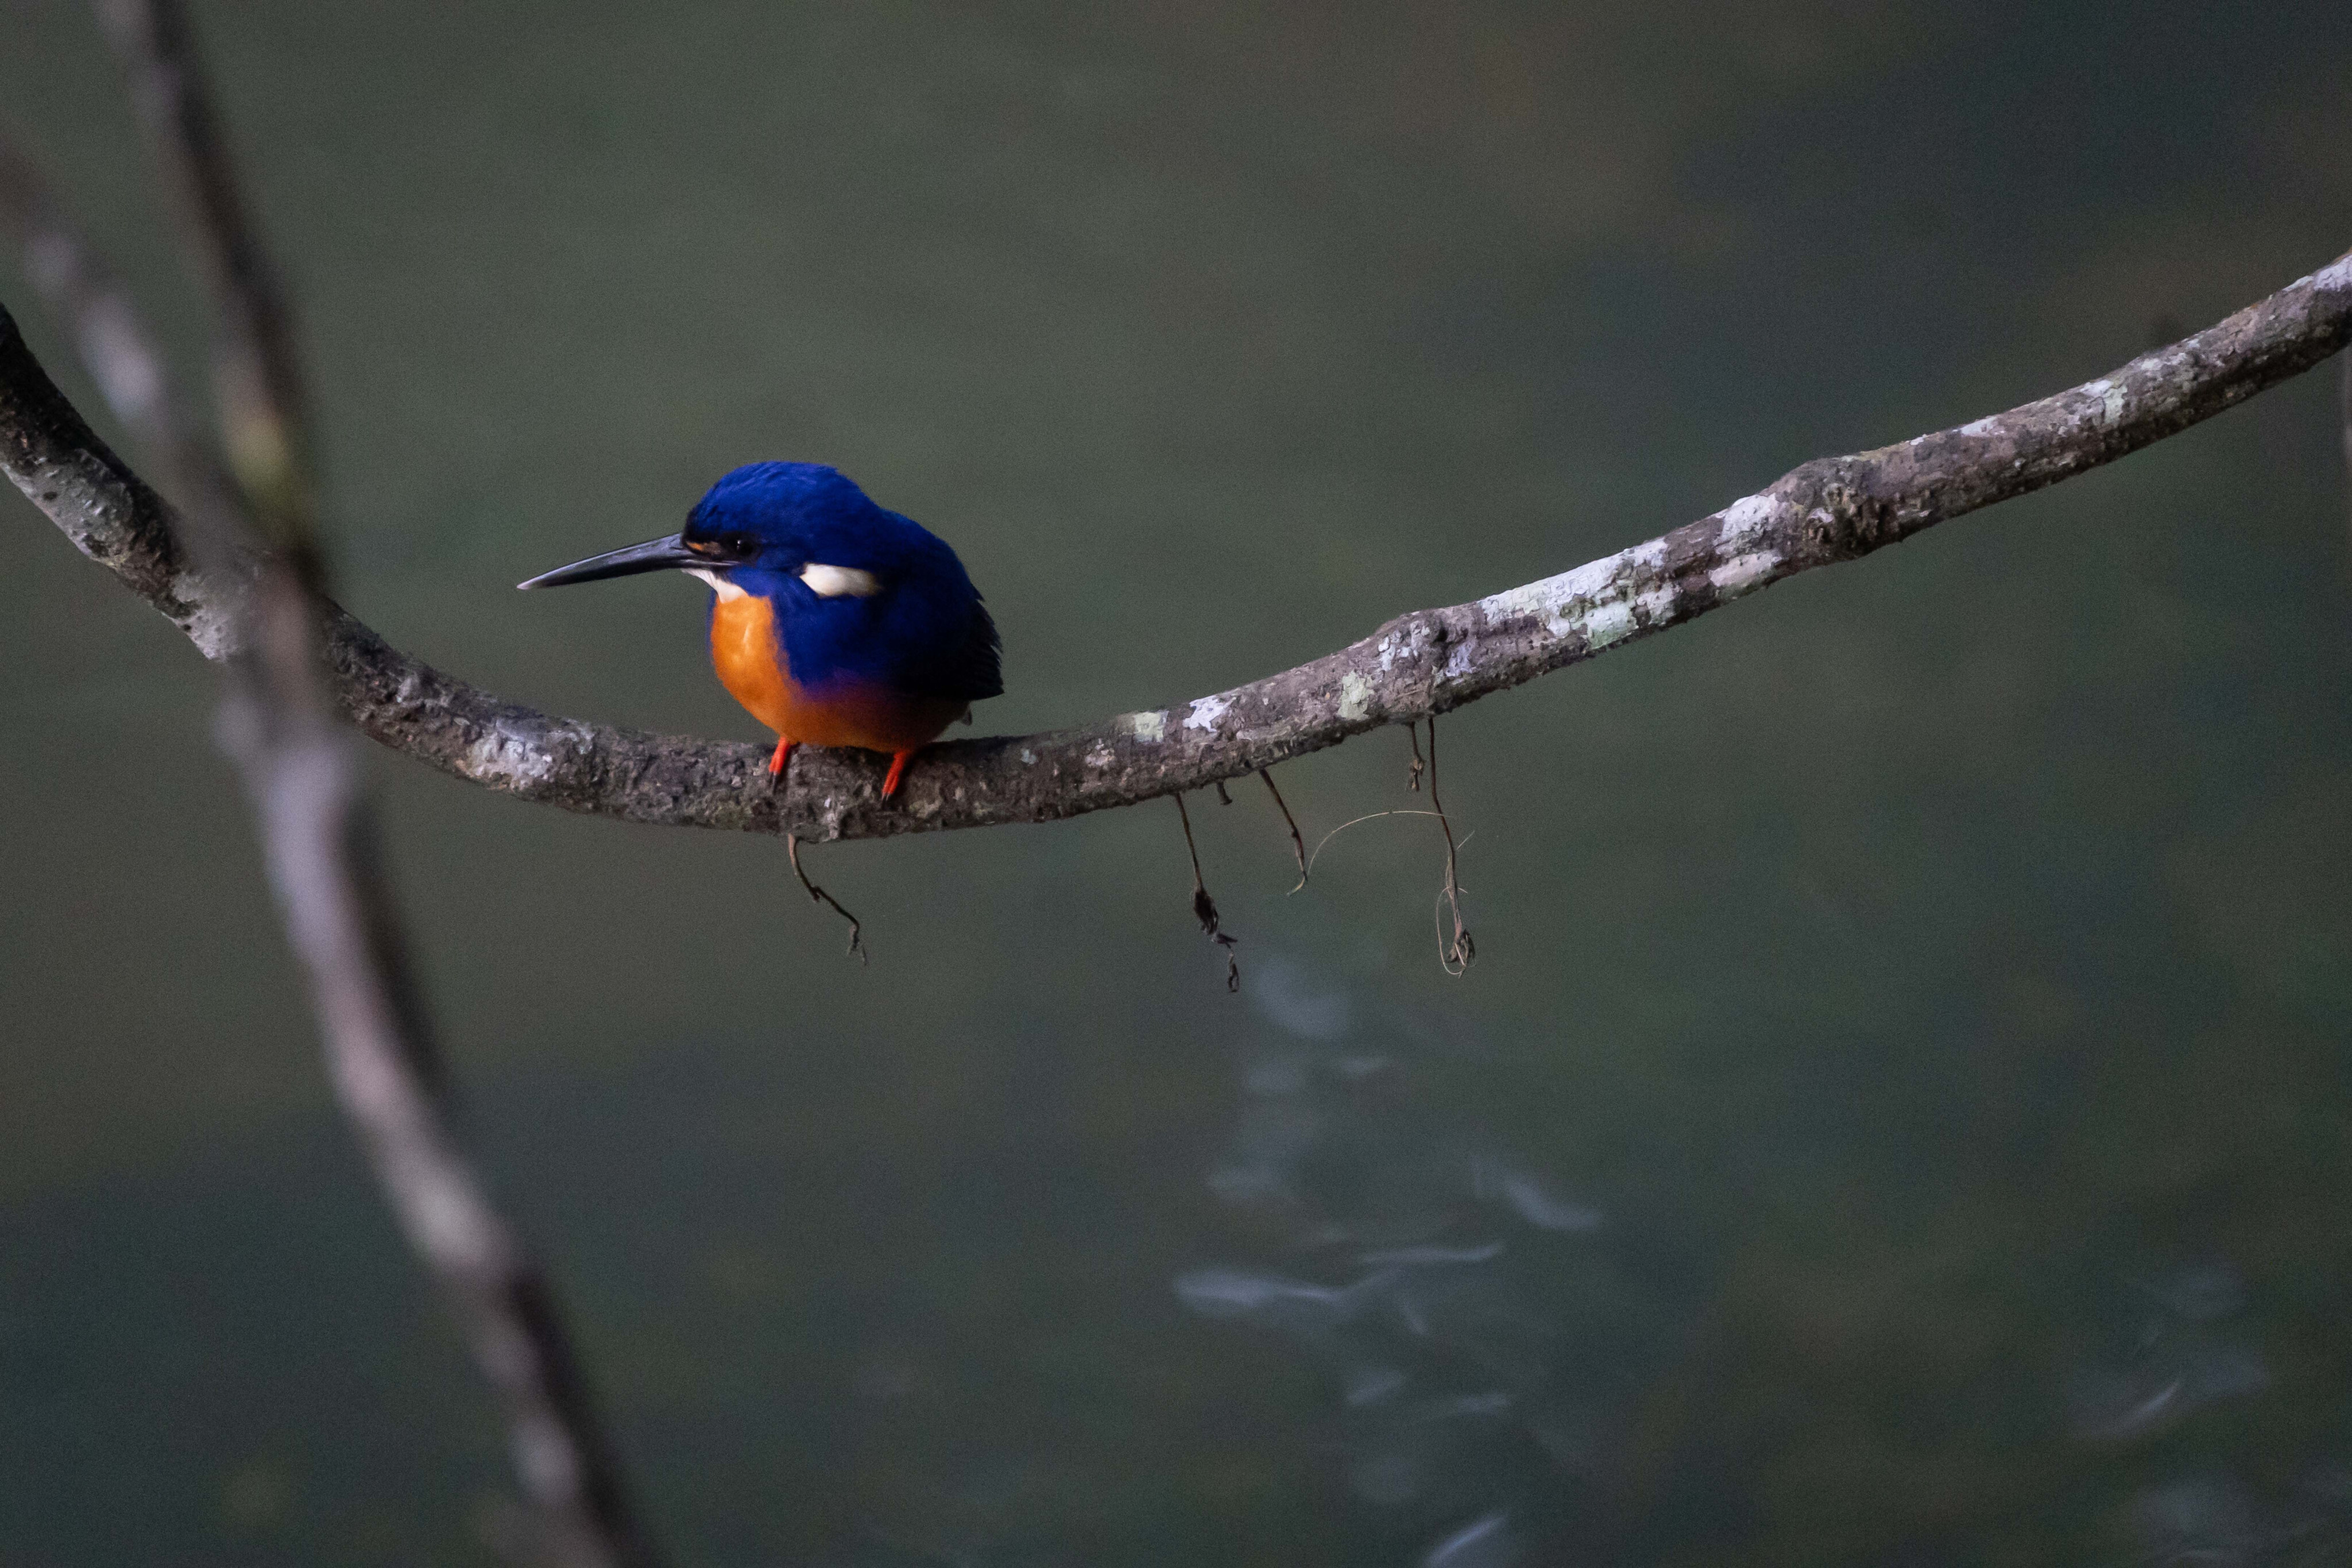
pixel 898 760
pixel 784 743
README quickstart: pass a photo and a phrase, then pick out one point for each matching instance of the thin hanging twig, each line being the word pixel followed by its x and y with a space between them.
pixel 1297 844
pixel 1204 908
pixel 857 940
pixel 1412 734
pixel 1455 953
pixel 1316 854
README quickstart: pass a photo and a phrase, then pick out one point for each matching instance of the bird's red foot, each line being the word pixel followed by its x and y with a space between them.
pixel 898 760
pixel 784 744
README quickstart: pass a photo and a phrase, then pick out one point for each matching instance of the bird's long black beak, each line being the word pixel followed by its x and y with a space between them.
pixel 654 555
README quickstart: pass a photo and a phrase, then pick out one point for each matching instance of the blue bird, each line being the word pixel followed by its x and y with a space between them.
pixel 833 622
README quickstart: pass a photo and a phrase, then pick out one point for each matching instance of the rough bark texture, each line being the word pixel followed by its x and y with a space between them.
pixel 1832 509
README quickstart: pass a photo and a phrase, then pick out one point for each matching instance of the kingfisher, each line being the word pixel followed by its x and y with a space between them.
pixel 833 620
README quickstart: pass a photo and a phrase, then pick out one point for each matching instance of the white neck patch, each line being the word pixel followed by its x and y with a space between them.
pixel 726 589
pixel 835 582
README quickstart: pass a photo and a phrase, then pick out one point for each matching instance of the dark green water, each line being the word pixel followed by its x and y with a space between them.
pixel 1898 1115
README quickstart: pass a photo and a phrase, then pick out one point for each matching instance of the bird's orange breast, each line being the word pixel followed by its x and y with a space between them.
pixel 749 660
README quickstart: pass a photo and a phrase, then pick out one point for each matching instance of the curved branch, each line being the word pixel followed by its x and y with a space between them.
pixel 1829 510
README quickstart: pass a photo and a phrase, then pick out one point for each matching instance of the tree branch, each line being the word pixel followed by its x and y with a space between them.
pixel 1829 510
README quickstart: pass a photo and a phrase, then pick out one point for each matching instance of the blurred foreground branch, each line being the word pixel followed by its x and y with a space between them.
pixel 251 603
pixel 256 368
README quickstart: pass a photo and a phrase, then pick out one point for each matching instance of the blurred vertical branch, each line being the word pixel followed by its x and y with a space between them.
pixel 253 525
pixel 256 369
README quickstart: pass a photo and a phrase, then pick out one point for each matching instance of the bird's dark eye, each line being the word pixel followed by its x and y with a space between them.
pixel 742 546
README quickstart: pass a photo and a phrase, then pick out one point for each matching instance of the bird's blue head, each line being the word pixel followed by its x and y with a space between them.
pixel 856 588
pixel 800 533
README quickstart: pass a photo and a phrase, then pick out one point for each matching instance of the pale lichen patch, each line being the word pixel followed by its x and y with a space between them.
pixel 1742 572
pixel 1747 518
pixel 1615 619
pixel 1355 697
pixel 507 760
pixel 1538 601
pixel 1555 602
pixel 1153 725
pixel 1607 624
pixel 2111 397
pixel 1205 713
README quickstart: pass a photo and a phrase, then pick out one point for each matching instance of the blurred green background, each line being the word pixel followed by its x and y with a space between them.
pixel 1899 1110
